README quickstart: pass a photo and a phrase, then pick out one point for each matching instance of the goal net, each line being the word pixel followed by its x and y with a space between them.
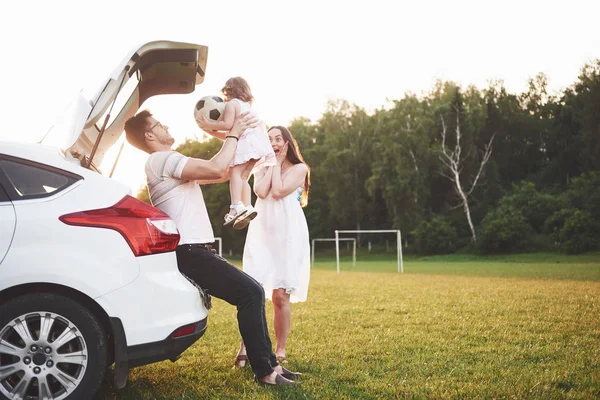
pixel 312 258
pixel 394 231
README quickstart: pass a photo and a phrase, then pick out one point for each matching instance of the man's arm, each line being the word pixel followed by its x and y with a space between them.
pixel 215 169
pixel 218 134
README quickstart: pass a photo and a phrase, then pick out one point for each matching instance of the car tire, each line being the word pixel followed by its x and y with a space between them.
pixel 50 347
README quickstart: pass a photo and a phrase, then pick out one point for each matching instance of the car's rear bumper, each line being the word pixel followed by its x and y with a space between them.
pixel 168 349
pixel 157 302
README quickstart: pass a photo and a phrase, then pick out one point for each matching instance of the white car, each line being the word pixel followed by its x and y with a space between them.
pixel 88 274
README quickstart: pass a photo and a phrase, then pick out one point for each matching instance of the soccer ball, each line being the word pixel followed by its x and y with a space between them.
pixel 211 107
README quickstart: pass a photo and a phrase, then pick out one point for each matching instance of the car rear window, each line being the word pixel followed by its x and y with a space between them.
pixel 3 195
pixel 31 180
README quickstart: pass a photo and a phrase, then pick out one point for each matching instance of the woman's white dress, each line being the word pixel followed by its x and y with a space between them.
pixel 277 251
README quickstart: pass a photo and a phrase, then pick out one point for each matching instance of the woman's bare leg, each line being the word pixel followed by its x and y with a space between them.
pixel 240 361
pixel 282 320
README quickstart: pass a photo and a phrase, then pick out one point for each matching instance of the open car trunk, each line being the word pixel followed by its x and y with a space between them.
pixel 96 122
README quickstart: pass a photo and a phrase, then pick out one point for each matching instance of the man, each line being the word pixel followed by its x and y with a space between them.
pixel 173 184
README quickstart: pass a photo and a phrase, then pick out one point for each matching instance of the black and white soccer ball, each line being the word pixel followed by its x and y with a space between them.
pixel 211 107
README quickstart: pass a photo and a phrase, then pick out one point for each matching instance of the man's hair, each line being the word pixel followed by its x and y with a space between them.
pixel 136 128
pixel 238 88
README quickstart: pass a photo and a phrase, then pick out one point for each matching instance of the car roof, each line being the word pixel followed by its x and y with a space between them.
pixel 40 153
pixel 31 151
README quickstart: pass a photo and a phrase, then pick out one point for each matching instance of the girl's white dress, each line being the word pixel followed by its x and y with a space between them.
pixel 277 251
pixel 254 143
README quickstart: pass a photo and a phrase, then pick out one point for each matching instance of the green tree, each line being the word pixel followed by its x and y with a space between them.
pixel 402 162
pixel 348 137
pixel 573 142
pixel 464 162
pixel 521 123
pixel 311 141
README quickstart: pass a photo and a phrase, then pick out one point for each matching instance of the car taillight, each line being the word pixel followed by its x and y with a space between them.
pixel 184 331
pixel 146 229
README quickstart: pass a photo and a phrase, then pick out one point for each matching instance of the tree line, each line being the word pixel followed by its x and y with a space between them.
pixel 456 169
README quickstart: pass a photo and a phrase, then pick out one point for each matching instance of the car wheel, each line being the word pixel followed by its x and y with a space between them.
pixel 51 347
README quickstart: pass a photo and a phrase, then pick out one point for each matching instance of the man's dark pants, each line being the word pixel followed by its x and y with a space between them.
pixel 223 280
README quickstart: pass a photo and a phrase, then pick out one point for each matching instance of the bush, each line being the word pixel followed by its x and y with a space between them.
pixel 576 227
pixel 538 242
pixel 535 206
pixel 584 193
pixel 436 236
pixel 556 221
pixel 580 233
pixel 504 230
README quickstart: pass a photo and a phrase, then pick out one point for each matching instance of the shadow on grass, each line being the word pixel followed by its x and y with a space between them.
pixel 186 385
pixel 316 383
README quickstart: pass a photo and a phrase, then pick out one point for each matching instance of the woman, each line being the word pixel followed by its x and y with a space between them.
pixel 277 251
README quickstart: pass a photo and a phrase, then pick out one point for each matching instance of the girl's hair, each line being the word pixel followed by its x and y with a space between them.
pixel 295 157
pixel 238 88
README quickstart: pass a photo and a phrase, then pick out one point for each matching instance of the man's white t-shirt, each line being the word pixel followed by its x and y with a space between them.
pixel 181 200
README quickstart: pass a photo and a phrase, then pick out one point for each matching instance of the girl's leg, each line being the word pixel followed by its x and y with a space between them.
pixel 282 320
pixel 246 194
pixel 236 184
pixel 248 168
pixel 246 190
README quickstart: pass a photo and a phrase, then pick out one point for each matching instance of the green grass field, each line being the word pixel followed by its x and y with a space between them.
pixel 524 326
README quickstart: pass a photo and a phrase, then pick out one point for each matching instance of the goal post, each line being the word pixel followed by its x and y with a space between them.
pixel 398 246
pixel 218 239
pixel 312 259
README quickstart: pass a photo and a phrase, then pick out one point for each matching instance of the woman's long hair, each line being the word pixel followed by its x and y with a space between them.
pixel 295 157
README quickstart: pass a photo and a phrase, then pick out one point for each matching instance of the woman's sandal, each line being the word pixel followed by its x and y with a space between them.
pixel 282 360
pixel 240 361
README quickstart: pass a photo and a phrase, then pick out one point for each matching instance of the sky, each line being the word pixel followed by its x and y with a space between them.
pixel 296 56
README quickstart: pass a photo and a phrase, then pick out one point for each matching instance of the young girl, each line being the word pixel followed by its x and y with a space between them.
pixel 253 150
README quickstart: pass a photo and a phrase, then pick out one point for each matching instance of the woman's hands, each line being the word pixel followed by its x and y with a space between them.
pixel 282 155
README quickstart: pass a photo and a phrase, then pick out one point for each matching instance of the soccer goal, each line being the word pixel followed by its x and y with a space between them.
pixel 398 246
pixel 218 239
pixel 312 259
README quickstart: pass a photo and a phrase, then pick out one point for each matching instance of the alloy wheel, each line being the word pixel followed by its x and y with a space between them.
pixel 43 356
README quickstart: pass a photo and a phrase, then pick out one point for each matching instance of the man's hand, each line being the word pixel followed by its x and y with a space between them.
pixel 243 122
pixel 203 123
